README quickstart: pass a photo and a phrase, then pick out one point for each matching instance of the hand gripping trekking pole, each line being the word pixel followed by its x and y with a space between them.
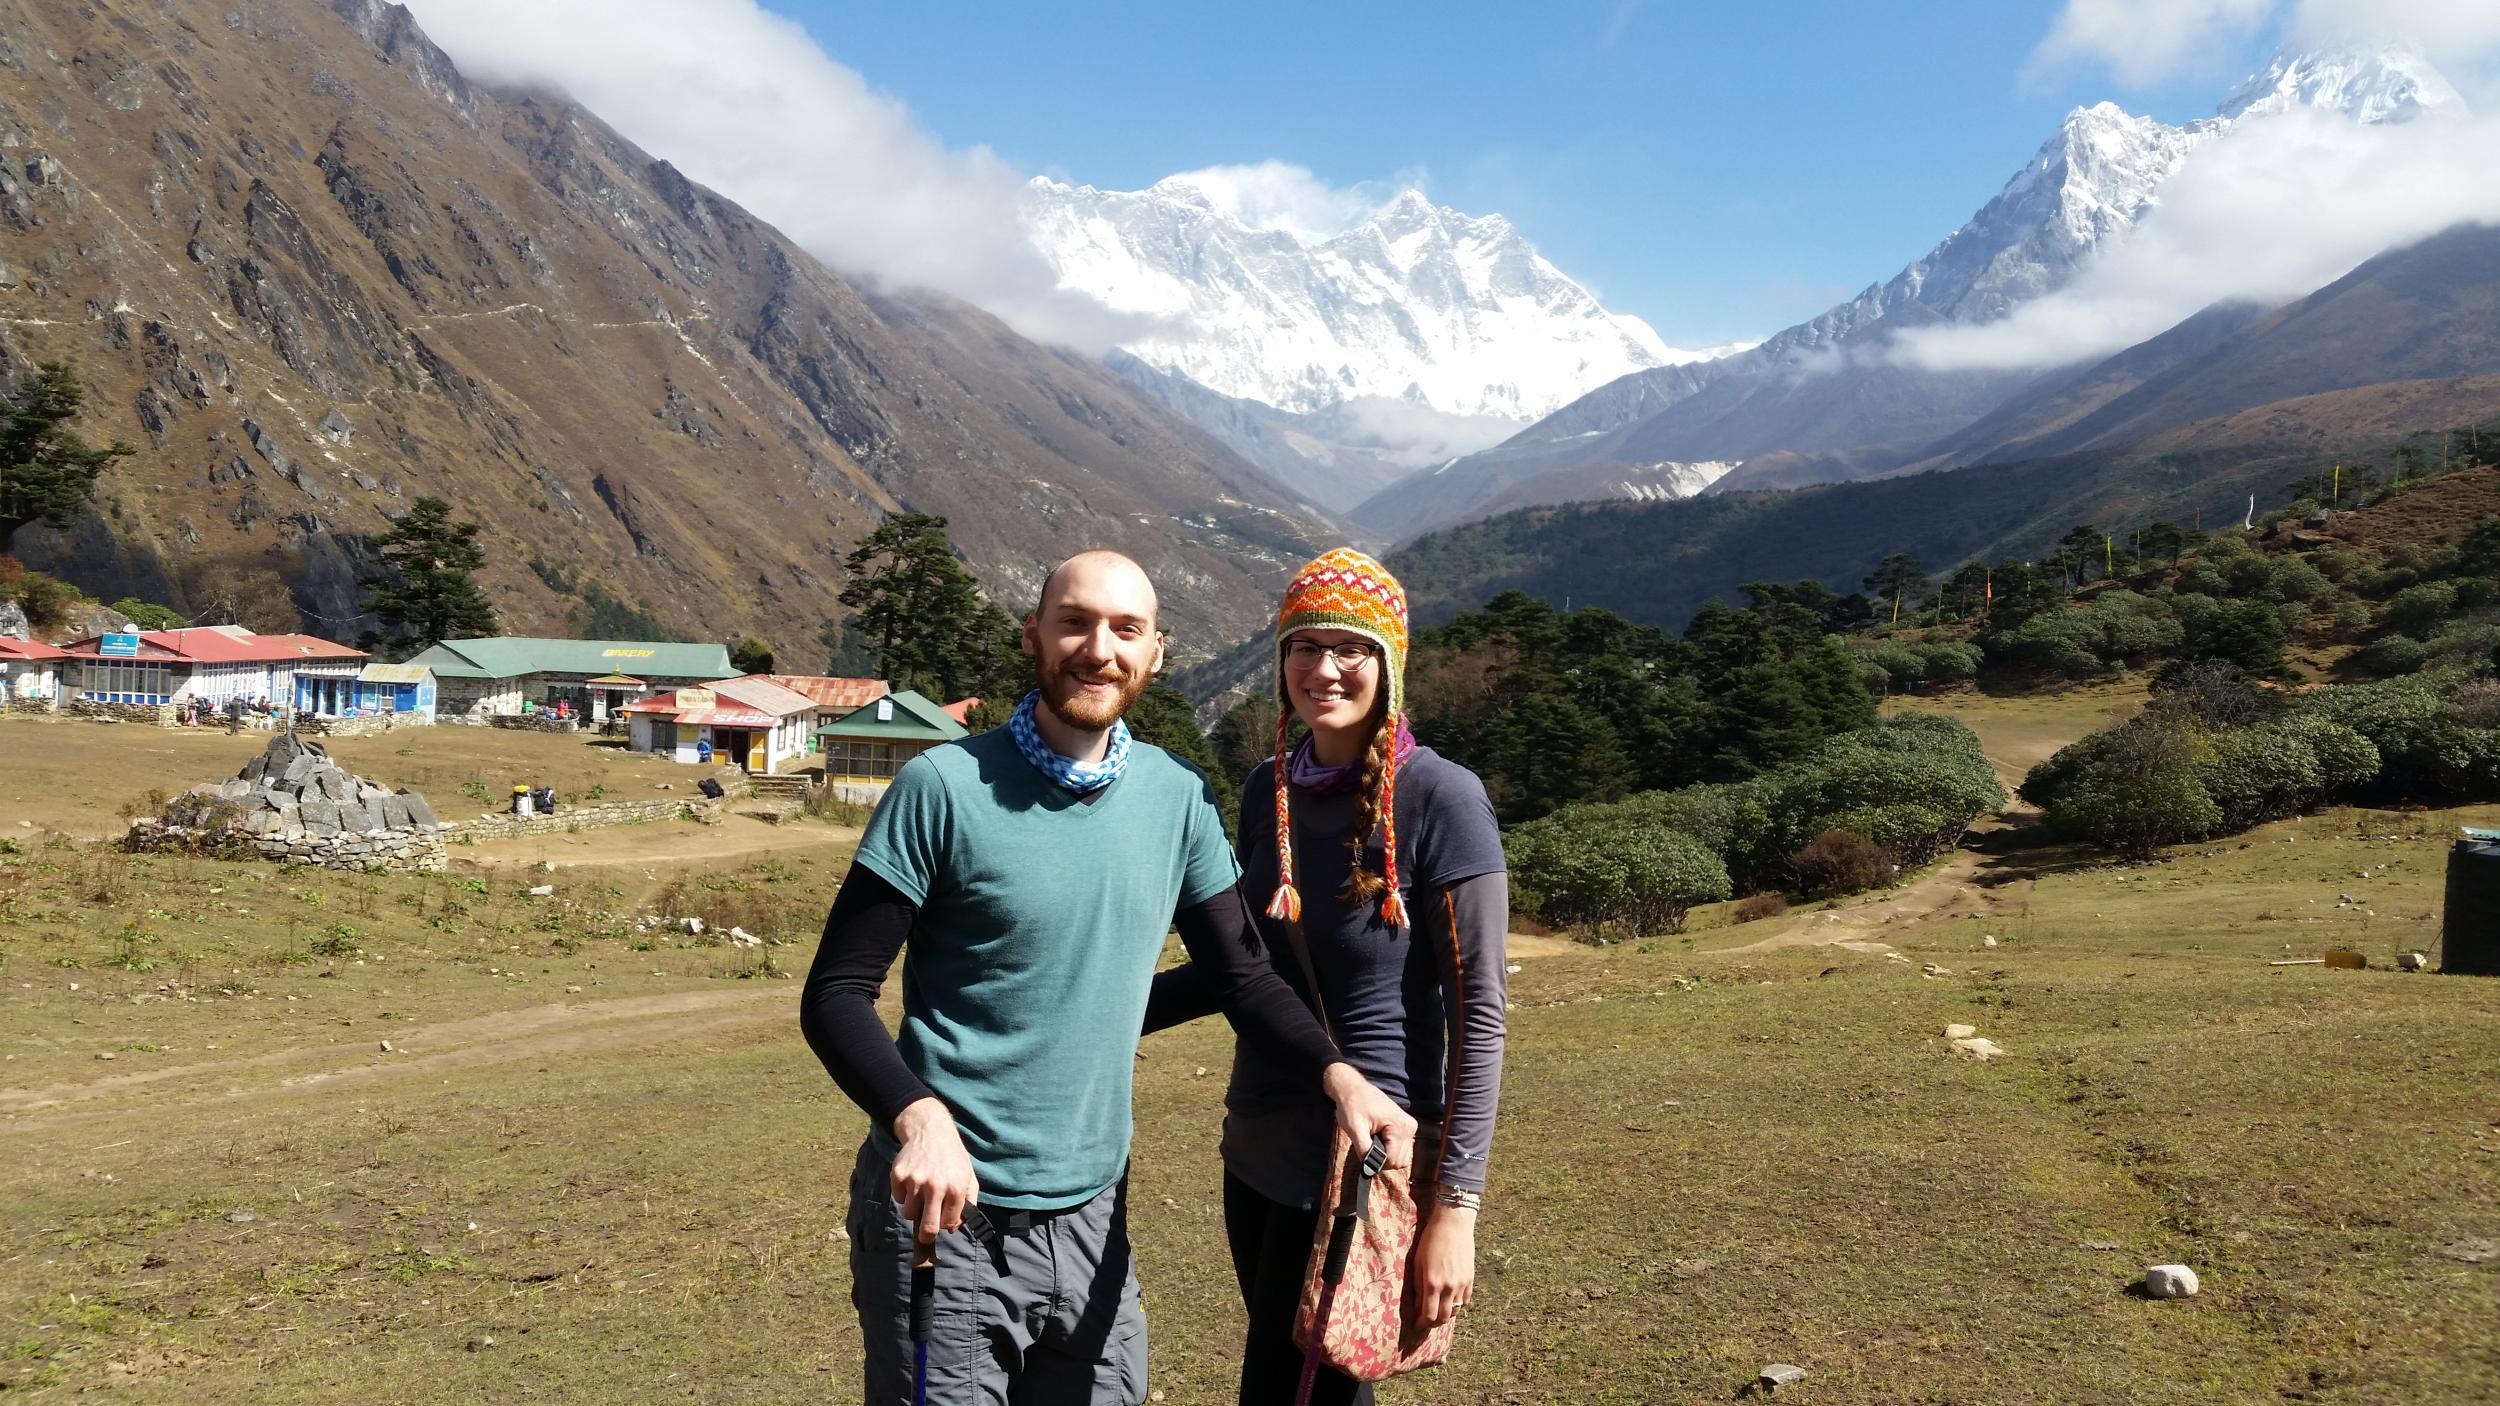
pixel 923 1304
pixel 1352 1207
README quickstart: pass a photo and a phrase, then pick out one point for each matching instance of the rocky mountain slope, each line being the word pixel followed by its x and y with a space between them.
pixel 1821 400
pixel 313 272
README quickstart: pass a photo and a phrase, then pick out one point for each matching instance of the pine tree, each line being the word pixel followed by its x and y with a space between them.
pixel 430 594
pixel 47 473
pixel 920 612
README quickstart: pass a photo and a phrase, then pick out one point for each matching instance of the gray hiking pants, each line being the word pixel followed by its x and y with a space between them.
pixel 1041 1312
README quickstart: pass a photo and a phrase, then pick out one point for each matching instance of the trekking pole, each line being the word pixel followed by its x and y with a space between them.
pixel 923 1303
pixel 1351 1209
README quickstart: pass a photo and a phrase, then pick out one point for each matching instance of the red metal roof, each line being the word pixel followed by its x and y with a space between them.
pixel 961 710
pixel 826 692
pixel 12 647
pixel 753 701
pixel 215 644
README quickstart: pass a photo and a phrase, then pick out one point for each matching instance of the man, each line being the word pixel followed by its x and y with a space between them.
pixel 1034 869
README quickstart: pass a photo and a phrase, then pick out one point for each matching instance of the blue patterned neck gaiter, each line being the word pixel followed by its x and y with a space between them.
pixel 1079 777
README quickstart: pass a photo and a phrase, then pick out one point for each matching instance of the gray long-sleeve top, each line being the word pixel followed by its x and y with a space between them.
pixel 1418 1011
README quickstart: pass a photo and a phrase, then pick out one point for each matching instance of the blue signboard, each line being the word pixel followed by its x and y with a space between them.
pixel 121 644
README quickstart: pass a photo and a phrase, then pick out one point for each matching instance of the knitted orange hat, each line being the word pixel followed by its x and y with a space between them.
pixel 1343 590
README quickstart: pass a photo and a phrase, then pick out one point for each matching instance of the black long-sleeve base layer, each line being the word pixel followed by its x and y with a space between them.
pixel 871 920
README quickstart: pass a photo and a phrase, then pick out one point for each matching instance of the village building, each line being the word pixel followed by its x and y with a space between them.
pixel 215 664
pixel 751 723
pixel 30 672
pixel 501 674
pixel 864 748
pixel 834 697
pixel 407 690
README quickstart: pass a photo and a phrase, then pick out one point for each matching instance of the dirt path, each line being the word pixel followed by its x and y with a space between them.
pixel 667 842
pixel 533 1032
pixel 1946 891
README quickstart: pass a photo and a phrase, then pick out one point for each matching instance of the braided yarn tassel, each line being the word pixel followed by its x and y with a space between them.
pixel 1286 906
pixel 1392 907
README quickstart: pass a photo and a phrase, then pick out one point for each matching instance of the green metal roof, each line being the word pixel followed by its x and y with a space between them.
pixel 509 656
pixel 914 717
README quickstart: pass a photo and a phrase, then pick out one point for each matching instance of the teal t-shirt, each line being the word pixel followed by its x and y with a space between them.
pixel 1041 919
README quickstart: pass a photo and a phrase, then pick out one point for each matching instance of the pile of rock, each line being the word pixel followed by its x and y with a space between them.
pixel 292 803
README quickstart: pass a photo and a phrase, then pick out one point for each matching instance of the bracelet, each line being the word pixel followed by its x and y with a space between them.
pixel 1454 1196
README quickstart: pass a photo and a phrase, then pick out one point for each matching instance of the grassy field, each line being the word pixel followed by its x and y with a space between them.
pixel 78 777
pixel 598 1166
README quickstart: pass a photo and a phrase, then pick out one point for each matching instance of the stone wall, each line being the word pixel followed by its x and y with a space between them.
pixel 308 725
pixel 532 722
pixel 159 714
pixel 592 817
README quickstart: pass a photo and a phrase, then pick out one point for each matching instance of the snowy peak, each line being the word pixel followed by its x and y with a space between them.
pixel 2366 85
pixel 1305 305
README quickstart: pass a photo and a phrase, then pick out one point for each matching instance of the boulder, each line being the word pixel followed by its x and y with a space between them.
pixel 419 813
pixel 2170 1281
pixel 1960 1032
pixel 321 816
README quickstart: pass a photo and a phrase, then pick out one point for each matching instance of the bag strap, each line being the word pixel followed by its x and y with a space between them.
pixel 1310 974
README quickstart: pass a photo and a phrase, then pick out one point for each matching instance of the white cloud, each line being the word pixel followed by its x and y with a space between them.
pixel 1278 195
pixel 2145 40
pixel 744 101
pixel 2273 210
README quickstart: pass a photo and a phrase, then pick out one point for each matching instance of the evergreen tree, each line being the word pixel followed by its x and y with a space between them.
pixel 430 594
pixel 1898 579
pixel 47 473
pixel 916 607
pixel 846 655
pixel 1163 716
pixel 751 656
pixel 1246 736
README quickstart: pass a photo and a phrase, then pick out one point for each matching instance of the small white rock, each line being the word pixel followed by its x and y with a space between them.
pixel 386 1047
pixel 695 926
pixel 1780 1374
pixel 543 891
pixel 1988 940
pixel 1978 1047
pixel 1512 968
pixel 1960 1032
pixel 2170 1281
pixel 2412 961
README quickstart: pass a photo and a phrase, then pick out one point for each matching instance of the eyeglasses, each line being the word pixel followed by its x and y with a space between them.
pixel 1350 655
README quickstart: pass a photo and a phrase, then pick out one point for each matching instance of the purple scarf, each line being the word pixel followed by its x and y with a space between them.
pixel 1303 768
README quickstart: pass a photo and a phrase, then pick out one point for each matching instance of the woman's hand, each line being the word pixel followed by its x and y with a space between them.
pixel 1442 1273
pixel 1363 1110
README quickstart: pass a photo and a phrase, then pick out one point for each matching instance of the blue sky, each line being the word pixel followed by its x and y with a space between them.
pixel 1720 170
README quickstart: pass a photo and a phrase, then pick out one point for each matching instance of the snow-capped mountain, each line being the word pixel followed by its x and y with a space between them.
pixel 1414 303
pixel 2098 176
pixel 1857 414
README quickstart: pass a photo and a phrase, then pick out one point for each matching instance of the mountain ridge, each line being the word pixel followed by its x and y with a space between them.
pixel 1825 390
pixel 315 272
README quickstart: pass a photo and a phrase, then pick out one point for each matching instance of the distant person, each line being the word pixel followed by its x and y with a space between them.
pixel 234 716
pixel 1388 859
pixel 1029 874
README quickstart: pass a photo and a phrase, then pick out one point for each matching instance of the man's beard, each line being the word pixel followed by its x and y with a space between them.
pixel 1088 712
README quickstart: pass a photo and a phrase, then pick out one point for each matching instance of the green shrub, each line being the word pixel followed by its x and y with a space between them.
pixel 2420 610
pixel 1591 866
pixel 2259 774
pixel 2137 815
pixel 2392 656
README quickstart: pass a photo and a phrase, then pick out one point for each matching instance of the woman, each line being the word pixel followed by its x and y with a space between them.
pixel 1387 857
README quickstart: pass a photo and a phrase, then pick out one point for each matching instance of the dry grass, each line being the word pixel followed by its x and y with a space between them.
pixel 84 778
pixel 634 1189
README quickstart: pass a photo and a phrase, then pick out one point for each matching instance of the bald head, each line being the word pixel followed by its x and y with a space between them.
pixel 1105 582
